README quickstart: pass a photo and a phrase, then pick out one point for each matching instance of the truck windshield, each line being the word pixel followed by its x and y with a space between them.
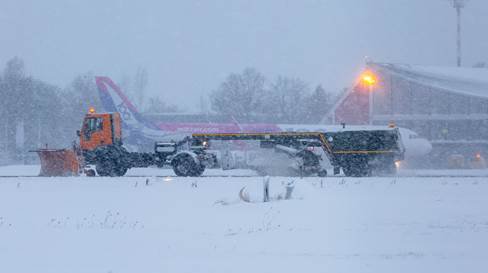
pixel 92 125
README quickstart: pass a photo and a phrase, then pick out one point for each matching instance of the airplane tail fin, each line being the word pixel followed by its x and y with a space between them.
pixel 114 100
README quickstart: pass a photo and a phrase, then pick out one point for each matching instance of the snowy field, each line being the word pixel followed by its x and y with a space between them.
pixel 173 224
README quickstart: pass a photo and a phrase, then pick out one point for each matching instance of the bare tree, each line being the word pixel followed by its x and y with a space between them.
pixel 32 113
pixel 286 100
pixel 318 104
pixel 240 95
pixel 15 93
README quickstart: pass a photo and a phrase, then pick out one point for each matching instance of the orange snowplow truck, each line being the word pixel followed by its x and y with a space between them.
pixel 98 130
pixel 100 144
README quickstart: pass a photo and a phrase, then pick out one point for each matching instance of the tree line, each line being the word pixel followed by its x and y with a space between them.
pixel 34 113
pixel 249 97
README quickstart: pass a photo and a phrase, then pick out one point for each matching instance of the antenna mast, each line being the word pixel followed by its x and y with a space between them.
pixel 458 5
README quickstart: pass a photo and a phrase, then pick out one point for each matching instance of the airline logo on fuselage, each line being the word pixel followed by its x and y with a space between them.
pixel 124 112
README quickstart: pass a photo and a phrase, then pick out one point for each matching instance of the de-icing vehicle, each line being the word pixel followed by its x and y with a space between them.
pixel 356 152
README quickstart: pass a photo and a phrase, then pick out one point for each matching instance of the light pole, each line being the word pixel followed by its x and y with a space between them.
pixel 458 5
pixel 369 79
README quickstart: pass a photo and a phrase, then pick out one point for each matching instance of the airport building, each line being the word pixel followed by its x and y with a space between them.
pixel 446 105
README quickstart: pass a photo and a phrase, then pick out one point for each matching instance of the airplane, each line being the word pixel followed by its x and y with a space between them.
pixel 140 134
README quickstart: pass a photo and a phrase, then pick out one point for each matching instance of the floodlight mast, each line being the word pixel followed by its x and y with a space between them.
pixel 458 5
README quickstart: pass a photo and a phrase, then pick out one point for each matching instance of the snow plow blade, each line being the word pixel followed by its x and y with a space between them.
pixel 63 162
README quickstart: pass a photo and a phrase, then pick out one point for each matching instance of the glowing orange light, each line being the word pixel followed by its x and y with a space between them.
pixel 368 78
pixel 478 156
pixel 391 124
pixel 91 110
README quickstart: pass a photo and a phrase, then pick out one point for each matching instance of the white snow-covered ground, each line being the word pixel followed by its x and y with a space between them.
pixel 173 224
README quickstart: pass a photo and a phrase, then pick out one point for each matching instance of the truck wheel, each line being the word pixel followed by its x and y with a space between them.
pixel 185 165
pixel 90 172
pixel 121 170
pixel 105 168
pixel 110 161
pixel 309 159
pixel 108 168
pixel 199 171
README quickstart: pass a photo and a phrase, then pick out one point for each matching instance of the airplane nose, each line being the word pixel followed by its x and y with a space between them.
pixel 425 147
pixel 418 148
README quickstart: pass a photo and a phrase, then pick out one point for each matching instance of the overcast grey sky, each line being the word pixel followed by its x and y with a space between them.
pixel 188 47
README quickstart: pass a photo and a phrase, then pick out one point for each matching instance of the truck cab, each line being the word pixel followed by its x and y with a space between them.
pixel 100 130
